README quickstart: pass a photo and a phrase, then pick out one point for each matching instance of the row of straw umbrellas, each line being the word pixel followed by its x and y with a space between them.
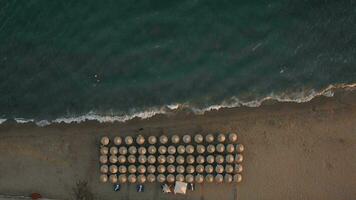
pixel 170 178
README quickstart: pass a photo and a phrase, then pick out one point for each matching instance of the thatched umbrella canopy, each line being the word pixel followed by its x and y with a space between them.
pixel 162 149
pixel 161 159
pixel 123 150
pixel 239 158
pixel 171 169
pixel 161 169
pixel 132 169
pixel 113 169
pixel 132 178
pixel 209 169
pixel 122 178
pixel 200 148
pixel 227 178
pixel 152 139
pixel 142 159
pixel 142 150
pixel 232 137
pixel 103 159
pixel 113 150
pixel 105 140
pixel 175 139
pixel 180 177
pixel 200 159
pixel 210 148
pixel 122 169
pixel 172 149
pixel 190 169
pixel 189 149
pixel 121 159
pixel 140 139
pixel 240 148
pixel 210 159
pixel 151 178
pixel 209 178
pixel 189 178
pixel 170 178
pixel 230 148
pixel 220 148
pixel 237 178
pixel 152 149
pixel 113 159
pixel 221 138
pixel 187 139
pixel 117 140
pixel 219 178
pixel 190 159
pixel 219 169
pixel 113 178
pixel 128 140
pixel 151 159
pixel 131 159
pixel 103 178
pixel 180 159
pixel 180 169
pixel 199 178
pixel 198 138
pixel 163 139
pixel 141 169
pixel 209 138
pixel 151 169
pixel 229 169
pixel 132 150
pixel 199 169
pixel 229 158
pixel 161 178
pixel 181 149
pixel 104 150
pixel 219 159
pixel 141 178
pixel 170 159
pixel 238 168
pixel 104 169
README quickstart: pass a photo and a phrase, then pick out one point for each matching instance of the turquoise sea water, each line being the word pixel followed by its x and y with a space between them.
pixel 69 58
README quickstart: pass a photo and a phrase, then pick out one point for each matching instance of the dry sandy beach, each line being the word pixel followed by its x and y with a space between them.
pixel 293 151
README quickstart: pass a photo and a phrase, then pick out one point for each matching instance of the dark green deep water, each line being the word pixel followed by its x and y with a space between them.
pixel 66 58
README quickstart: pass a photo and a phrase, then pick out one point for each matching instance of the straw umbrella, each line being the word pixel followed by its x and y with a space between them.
pixel 200 159
pixel 198 138
pixel 180 159
pixel 163 139
pixel 180 177
pixel 141 169
pixel 220 148
pixel 161 159
pixel 122 178
pixel 181 149
pixel 187 139
pixel 199 178
pixel 142 159
pixel 219 178
pixel 227 178
pixel 189 149
pixel 132 178
pixel 152 149
pixel 113 159
pixel 151 169
pixel 189 178
pixel 117 140
pixel 232 137
pixel 113 150
pixel 219 169
pixel 171 169
pixel 113 178
pixel 113 169
pixel 229 158
pixel 170 178
pixel 151 178
pixel 221 138
pixel 199 169
pixel 175 139
pixel 190 159
pixel 237 178
pixel 209 138
pixel 170 159
pixel 104 169
pixel 240 148
pixel 161 169
pixel 142 150
pixel 140 139
pixel 209 169
pixel 229 169
pixel 132 169
pixel 239 158
pixel 123 150
pixel 209 178
pixel 141 178
pixel 122 169
pixel 103 178
pixel 180 169
pixel 105 140
pixel 152 139
pixel 161 178
pixel 219 159
pixel 210 148
pixel 121 159
pixel 162 149
pixel 131 159
pixel 104 150
pixel 172 149
pixel 200 149
pixel 151 159
pixel 210 159
pixel 238 168
pixel 128 140
pixel 230 148
pixel 103 159
pixel 190 169
pixel 132 150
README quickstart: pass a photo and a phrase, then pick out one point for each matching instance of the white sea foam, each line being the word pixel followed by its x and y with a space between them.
pixel 298 97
